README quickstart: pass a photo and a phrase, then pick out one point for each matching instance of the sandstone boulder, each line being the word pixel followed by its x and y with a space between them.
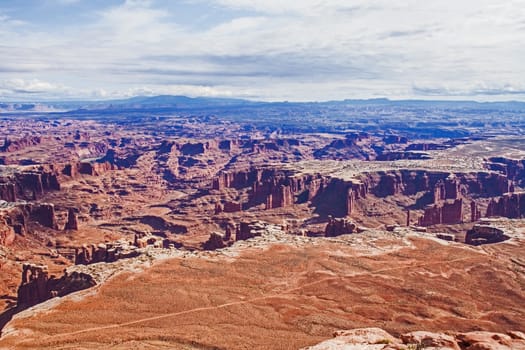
pixel 358 339
pixel 429 340
pixel 485 341
pixel 216 241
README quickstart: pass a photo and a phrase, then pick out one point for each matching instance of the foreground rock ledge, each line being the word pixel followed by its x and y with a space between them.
pixel 378 339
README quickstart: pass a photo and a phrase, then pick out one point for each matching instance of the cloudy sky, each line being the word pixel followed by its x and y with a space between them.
pixel 263 49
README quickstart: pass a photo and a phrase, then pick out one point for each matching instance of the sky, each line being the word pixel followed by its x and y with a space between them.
pixel 273 50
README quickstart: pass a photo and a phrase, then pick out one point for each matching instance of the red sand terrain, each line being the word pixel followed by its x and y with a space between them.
pixel 288 296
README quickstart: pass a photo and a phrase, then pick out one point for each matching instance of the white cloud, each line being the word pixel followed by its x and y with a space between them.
pixel 318 49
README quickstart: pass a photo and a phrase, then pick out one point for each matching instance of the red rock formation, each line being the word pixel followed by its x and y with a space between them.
pixel 512 168
pixel 443 213
pixel 70 169
pixel 376 338
pixel 17 217
pixel 475 213
pixel 30 184
pixel 45 215
pixel 425 147
pixel 92 254
pixel 34 286
pixel 228 145
pixel 228 207
pixel 279 197
pixel 17 145
pixel 484 234
pixel 395 139
pixel 337 227
pixel 449 188
pixel 238 179
pixel 37 286
pixel 488 184
pixel 95 168
pixel 7 233
pixel 247 230
pixel 216 241
pixel 72 220
pixel 510 205
pixel 7 192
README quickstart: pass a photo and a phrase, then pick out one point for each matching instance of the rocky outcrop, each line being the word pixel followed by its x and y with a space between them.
pixel 7 192
pixel 430 340
pixel 510 205
pixel 72 220
pixel 425 147
pixel 94 168
pixel 487 340
pixel 30 183
pixel 7 233
pixel 279 197
pixel 191 149
pixel 513 169
pixel 217 240
pixel 44 214
pixel 475 213
pixel 378 339
pixel 359 339
pixel 485 234
pixel 395 139
pixel 236 179
pixel 333 196
pixel 96 253
pixel 337 227
pixel 448 212
pixel 17 145
pixel 37 286
pixel 346 148
pixel 228 207
pixel 488 184
pixel 247 230
pixel 391 156
pixel 16 217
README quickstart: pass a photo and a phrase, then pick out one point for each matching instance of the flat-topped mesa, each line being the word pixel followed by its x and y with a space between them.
pixel 268 145
pixel 236 179
pixel 20 144
pixel 37 286
pixel 228 207
pixel 514 169
pixel 510 205
pixel 395 139
pixel 31 183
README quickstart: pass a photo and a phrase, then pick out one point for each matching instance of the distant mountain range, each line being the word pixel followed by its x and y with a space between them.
pixel 168 102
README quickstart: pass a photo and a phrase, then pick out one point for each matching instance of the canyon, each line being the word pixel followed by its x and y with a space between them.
pixel 215 229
